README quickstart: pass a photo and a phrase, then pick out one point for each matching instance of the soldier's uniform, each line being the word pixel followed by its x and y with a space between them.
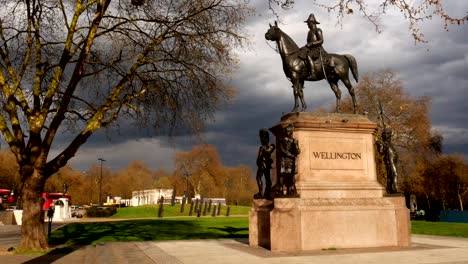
pixel 313 49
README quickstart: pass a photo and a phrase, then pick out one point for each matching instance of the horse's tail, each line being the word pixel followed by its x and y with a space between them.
pixel 353 66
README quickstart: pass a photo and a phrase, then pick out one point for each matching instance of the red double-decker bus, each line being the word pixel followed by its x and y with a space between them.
pixel 50 198
pixel 7 196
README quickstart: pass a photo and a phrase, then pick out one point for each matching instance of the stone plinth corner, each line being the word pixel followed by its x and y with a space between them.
pixel 259 223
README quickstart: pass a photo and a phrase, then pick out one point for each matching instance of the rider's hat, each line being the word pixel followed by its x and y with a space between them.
pixel 312 19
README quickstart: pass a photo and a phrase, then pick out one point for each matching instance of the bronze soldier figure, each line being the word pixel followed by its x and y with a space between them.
pixel 390 157
pixel 264 162
pixel 289 149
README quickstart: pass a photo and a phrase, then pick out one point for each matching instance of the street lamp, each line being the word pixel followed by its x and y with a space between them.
pixel 100 181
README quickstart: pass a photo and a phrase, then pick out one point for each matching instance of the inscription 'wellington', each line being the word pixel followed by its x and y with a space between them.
pixel 337 155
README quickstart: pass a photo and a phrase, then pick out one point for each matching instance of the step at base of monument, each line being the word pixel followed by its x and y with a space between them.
pixel 367 189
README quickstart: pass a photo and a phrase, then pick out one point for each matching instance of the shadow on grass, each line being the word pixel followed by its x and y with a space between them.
pixel 51 256
pixel 76 235
pixel 143 230
pixel 230 230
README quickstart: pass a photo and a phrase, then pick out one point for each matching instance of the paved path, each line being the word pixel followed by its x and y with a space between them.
pixel 10 234
pixel 425 250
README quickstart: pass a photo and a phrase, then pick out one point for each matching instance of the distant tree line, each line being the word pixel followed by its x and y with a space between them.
pixel 198 171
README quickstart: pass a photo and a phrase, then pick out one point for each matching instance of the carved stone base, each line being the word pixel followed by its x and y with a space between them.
pixel 314 224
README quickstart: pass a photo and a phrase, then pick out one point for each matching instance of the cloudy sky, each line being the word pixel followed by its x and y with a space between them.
pixel 438 69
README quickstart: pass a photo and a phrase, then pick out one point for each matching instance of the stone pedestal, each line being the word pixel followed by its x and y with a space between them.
pixel 319 223
pixel 259 223
pixel 340 204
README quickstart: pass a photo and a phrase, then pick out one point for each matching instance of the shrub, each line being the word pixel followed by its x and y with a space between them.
pixel 101 211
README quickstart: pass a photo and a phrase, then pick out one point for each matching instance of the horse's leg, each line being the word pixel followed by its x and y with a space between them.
pixel 334 86
pixel 296 103
pixel 301 95
pixel 295 83
pixel 351 92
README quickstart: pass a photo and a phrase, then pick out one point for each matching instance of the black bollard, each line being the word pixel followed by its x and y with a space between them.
pixel 199 211
pixel 196 205
pixel 173 197
pixel 50 227
pixel 219 208
pixel 160 211
pixel 205 207
pixel 191 209
pixel 213 214
pixel 200 204
pixel 182 207
pixel 50 215
pixel 228 210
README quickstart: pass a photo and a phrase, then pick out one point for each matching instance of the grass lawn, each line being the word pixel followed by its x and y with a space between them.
pixel 168 211
pixel 440 228
pixel 151 229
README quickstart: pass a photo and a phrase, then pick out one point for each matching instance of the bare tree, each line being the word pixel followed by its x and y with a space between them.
pixel 77 66
pixel 204 166
pixel 202 172
pixel 415 12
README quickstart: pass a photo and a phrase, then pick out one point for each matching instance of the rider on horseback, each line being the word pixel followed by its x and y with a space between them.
pixel 332 67
pixel 313 49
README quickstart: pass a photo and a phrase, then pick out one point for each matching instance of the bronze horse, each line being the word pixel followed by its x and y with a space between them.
pixel 297 71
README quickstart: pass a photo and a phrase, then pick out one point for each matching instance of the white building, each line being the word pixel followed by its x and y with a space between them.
pixel 150 196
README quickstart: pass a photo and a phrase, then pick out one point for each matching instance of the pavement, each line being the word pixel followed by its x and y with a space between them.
pixel 424 250
pixel 10 235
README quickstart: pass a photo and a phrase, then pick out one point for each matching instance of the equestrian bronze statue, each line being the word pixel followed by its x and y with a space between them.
pixel 313 63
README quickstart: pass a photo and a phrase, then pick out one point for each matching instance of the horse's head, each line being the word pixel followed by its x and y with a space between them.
pixel 273 33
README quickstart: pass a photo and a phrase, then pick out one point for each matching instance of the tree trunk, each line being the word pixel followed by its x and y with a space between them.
pixel 428 202
pixel 32 230
pixel 460 200
pixel 198 188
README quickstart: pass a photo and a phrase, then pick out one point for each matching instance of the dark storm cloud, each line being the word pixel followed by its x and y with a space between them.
pixel 236 136
pixel 439 71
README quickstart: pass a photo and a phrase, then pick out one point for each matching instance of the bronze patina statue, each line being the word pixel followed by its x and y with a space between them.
pixel 390 158
pixel 264 162
pixel 313 63
pixel 314 50
pixel 289 149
